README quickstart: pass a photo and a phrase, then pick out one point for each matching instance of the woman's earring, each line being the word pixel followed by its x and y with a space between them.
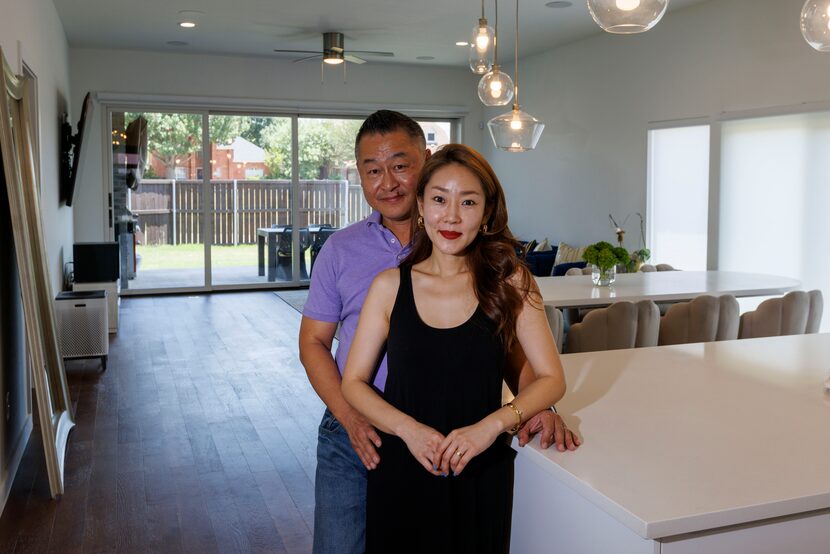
pixel 483 228
pixel 420 221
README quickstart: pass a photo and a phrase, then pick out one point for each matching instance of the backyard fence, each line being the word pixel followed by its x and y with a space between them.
pixel 169 211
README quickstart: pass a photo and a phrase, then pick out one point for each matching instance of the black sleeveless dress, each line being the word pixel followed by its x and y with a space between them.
pixel 444 378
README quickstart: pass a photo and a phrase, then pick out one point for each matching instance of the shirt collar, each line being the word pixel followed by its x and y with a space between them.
pixel 373 219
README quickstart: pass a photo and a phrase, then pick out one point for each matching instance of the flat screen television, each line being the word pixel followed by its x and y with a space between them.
pixel 71 151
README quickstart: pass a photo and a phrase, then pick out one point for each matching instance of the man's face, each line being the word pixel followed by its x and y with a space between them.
pixel 389 167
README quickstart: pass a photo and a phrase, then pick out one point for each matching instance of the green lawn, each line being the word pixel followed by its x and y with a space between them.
pixel 192 256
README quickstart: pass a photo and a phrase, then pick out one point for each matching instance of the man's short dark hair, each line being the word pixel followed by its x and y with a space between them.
pixel 383 122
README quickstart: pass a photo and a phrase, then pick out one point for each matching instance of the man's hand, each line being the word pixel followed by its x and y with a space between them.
pixel 363 437
pixel 551 429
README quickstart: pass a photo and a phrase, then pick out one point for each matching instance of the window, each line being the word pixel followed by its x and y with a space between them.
pixel 678 196
pixel 773 198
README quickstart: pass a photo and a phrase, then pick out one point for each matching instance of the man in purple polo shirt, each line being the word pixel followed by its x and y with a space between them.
pixel 390 150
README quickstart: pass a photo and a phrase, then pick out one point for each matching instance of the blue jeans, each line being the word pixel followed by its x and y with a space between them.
pixel 339 492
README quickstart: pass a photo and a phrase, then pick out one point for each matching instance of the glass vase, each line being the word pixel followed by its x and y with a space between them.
pixel 603 277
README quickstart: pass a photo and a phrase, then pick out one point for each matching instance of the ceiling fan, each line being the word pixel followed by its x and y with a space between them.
pixel 334 53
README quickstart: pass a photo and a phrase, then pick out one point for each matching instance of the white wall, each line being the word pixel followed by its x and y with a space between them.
pixel 250 79
pixel 31 30
pixel 597 96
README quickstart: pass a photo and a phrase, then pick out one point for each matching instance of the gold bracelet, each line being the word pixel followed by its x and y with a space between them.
pixel 515 429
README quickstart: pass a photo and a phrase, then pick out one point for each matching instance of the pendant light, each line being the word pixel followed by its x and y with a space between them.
pixel 482 44
pixel 815 24
pixel 626 17
pixel 516 131
pixel 496 87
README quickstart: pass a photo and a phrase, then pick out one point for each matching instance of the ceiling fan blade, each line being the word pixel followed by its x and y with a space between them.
pixel 371 53
pixel 336 49
pixel 353 59
pixel 298 51
pixel 298 60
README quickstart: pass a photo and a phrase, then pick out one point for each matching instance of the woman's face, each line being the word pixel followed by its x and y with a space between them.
pixel 452 208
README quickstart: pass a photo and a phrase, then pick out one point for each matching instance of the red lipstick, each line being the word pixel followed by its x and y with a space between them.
pixel 450 235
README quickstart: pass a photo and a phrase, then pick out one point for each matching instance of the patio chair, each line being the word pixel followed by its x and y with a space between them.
pixel 320 238
pixel 284 253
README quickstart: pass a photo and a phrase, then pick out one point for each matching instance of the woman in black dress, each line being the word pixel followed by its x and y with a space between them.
pixel 448 317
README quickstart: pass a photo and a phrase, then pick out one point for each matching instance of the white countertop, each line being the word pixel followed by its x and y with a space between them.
pixel 685 438
pixel 579 291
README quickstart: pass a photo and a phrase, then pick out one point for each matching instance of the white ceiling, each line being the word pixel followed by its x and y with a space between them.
pixel 256 27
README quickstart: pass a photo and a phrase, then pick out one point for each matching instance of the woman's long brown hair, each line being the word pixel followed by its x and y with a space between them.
pixel 491 257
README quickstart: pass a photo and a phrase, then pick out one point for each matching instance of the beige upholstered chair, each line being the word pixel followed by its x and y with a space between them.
pixel 664 267
pixel 575 315
pixel 796 313
pixel 704 319
pixel 620 325
pixel 557 325
pixel 647 268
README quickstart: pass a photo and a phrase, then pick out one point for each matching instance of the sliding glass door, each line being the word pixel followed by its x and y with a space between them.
pixel 157 201
pixel 208 200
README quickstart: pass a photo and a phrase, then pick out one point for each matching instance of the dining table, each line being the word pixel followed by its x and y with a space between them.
pixel 660 286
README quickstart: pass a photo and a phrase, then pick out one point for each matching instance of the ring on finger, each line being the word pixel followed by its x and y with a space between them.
pixel 458 453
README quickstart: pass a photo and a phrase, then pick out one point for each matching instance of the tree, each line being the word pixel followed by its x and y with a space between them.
pixel 325 146
pixel 172 136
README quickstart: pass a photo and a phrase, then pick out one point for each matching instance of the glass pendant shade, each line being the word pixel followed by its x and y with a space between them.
pixel 495 88
pixel 515 131
pixel 482 46
pixel 627 16
pixel 815 24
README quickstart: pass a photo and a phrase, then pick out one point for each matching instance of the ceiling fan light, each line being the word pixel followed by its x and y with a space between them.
pixel 627 17
pixel 333 58
pixel 815 24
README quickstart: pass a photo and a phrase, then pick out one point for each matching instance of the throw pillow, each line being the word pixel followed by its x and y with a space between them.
pixel 568 254
pixel 543 246
pixel 528 247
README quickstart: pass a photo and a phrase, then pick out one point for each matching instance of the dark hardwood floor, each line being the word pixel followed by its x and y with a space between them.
pixel 200 437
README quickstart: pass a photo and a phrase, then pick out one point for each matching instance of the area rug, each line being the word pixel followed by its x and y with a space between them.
pixel 294 298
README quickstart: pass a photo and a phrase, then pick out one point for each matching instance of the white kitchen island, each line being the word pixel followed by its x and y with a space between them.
pixel 710 448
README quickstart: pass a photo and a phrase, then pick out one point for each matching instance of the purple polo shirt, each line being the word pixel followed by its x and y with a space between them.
pixel 343 271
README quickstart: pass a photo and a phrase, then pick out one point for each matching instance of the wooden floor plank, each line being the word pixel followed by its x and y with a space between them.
pixel 200 437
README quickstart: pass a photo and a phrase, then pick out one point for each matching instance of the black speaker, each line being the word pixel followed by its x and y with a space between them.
pixel 95 262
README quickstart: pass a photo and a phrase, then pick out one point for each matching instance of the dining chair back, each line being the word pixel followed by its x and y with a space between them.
pixel 620 325
pixel 795 313
pixel 703 319
pixel 557 325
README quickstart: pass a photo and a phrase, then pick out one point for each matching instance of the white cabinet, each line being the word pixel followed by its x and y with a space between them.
pixel 111 289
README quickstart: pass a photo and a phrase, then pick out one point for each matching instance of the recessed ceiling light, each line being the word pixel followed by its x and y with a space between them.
pixel 176 43
pixel 426 58
pixel 559 4
pixel 189 18
pixel 462 43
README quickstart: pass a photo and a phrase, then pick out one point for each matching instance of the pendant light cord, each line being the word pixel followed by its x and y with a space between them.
pixel 496 37
pixel 482 9
pixel 516 61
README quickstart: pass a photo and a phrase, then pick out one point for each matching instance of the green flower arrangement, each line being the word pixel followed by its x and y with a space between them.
pixel 605 256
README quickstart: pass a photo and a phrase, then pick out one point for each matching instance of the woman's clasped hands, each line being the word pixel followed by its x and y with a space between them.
pixel 441 455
